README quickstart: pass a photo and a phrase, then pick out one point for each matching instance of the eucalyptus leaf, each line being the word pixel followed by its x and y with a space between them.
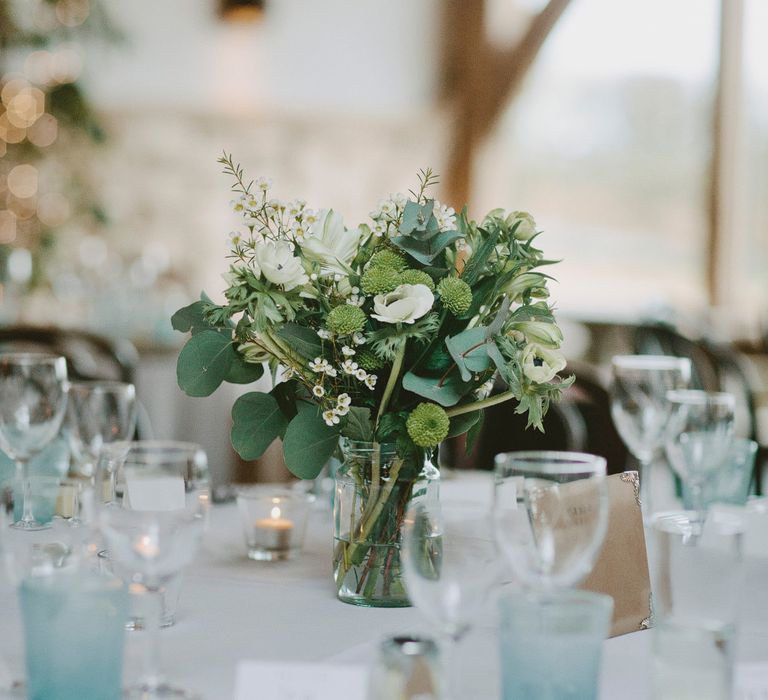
pixel 469 350
pixel 191 318
pixel 285 395
pixel 462 423
pixel 204 363
pixel 425 251
pixel 257 421
pixel 242 372
pixel 309 443
pixel 446 391
pixel 416 216
pixel 301 339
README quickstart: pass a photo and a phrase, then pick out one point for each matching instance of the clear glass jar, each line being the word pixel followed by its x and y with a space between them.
pixel 371 499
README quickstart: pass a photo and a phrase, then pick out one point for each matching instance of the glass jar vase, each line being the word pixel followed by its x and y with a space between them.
pixel 371 499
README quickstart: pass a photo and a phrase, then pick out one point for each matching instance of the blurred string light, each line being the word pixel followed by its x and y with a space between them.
pixel 44 120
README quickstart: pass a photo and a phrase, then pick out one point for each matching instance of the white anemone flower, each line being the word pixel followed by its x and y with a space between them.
pixel 331 244
pixel 406 304
pixel 280 266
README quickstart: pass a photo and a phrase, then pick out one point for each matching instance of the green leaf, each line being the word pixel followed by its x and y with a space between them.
pixel 301 339
pixel 462 423
pixel 309 442
pixel 191 318
pixel 479 259
pixel 204 362
pixel 469 349
pixel 425 251
pixel 358 424
pixel 257 421
pixel 447 391
pixel 242 372
pixel 285 395
pixel 416 216
pixel 474 433
pixel 390 425
pixel 494 328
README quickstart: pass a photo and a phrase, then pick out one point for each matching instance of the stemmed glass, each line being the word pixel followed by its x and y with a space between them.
pixel 639 406
pixel 550 514
pixel 699 437
pixel 152 506
pixel 449 559
pixel 98 413
pixel 33 398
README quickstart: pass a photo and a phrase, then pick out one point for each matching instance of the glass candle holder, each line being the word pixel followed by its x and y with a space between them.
pixel 274 520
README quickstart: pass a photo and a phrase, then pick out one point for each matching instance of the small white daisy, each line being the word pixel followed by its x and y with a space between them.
pixel 358 338
pixel 331 372
pixel 330 417
pixel 237 205
pixel 309 217
pixel 264 183
pixel 349 367
pixel 370 381
pixel 322 332
pixel 318 391
pixel 347 351
pixel 319 364
pixel 344 400
pixel 361 374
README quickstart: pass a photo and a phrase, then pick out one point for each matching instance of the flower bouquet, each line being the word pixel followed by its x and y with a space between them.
pixel 385 338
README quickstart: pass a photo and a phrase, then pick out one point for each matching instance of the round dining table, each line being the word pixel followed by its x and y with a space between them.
pixel 233 609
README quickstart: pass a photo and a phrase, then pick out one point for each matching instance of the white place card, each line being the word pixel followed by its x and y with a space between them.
pixel 266 680
pixel 149 492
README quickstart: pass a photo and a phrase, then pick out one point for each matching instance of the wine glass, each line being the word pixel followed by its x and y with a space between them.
pixel 151 510
pixel 98 412
pixel 33 398
pixel 449 560
pixel 639 406
pixel 699 437
pixel 550 515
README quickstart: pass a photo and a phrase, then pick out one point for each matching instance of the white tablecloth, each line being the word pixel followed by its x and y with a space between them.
pixel 233 609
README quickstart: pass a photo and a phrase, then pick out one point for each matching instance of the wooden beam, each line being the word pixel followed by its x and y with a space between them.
pixel 727 129
pixel 484 79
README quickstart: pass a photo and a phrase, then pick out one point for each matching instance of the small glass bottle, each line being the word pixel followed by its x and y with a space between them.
pixel 407 669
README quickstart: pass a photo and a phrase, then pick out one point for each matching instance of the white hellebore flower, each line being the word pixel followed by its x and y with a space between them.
pixel 541 364
pixel 279 265
pixel 331 244
pixel 406 304
pixel 542 332
pixel 527 228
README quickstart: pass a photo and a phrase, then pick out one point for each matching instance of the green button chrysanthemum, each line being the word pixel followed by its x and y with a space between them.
pixel 388 258
pixel 368 360
pixel 428 425
pixel 455 294
pixel 379 280
pixel 417 277
pixel 346 319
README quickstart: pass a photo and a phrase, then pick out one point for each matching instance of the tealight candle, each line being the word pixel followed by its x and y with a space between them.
pixel 273 522
pixel 275 530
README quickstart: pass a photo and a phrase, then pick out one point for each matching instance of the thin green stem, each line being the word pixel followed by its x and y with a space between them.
pixel 479 405
pixel 397 365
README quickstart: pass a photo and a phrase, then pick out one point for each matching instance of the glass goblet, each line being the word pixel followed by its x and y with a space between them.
pixel 33 398
pixel 98 412
pixel 152 506
pixel 639 408
pixel 550 515
pixel 699 438
pixel 449 559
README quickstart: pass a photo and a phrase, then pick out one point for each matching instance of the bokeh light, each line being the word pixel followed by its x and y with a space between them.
pixel 72 13
pixel 7 227
pixel 66 64
pixel 44 131
pixel 38 67
pixel 22 181
pixel 53 209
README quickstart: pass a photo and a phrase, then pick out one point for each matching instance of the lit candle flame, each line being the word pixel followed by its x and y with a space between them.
pixel 275 513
